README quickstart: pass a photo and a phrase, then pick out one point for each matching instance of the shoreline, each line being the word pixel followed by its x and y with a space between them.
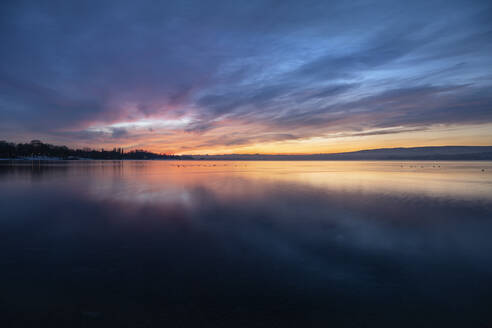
pixel 248 160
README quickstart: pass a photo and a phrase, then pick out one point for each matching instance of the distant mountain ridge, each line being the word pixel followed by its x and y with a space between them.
pixel 414 153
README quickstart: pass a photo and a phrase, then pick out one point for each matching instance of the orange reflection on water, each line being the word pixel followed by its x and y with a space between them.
pixel 172 180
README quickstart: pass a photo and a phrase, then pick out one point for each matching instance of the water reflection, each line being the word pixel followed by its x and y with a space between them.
pixel 253 244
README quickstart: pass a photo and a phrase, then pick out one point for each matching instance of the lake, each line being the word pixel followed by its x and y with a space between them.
pixel 245 244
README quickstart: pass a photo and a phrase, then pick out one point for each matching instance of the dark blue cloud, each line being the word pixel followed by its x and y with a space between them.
pixel 298 68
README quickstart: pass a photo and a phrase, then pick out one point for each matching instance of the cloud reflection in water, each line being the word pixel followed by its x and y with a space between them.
pixel 247 243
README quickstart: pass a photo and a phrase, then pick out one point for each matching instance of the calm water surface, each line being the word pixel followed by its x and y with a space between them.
pixel 245 244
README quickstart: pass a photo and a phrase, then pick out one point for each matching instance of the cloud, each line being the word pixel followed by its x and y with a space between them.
pixel 259 69
pixel 118 132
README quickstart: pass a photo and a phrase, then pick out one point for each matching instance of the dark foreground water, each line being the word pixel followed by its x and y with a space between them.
pixel 245 244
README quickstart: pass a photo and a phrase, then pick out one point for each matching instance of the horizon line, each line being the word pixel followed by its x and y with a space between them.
pixel 326 153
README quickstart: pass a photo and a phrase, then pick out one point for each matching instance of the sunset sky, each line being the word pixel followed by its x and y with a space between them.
pixel 197 77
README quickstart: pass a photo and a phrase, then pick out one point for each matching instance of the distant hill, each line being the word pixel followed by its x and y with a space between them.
pixel 415 153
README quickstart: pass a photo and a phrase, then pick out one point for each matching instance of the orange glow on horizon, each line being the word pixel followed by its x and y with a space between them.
pixel 234 138
pixel 181 143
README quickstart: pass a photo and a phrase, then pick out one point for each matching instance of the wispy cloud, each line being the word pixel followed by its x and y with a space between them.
pixel 237 73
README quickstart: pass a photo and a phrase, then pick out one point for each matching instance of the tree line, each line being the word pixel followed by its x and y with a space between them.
pixel 37 149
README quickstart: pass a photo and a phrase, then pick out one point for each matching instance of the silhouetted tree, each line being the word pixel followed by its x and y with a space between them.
pixel 36 149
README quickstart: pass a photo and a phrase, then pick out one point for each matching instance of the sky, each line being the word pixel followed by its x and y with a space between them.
pixel 213 77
